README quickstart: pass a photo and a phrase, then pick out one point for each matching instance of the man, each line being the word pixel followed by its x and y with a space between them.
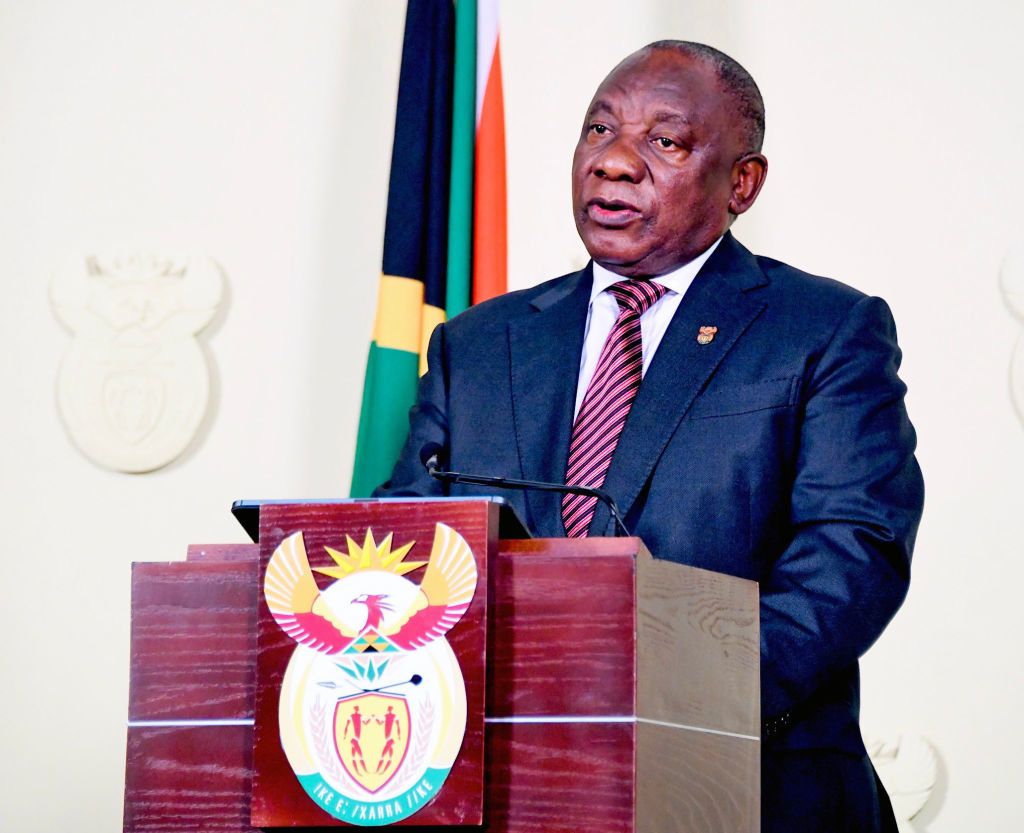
pixel 768 438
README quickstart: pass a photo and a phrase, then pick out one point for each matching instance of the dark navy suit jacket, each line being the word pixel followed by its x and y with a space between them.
pixel 780 451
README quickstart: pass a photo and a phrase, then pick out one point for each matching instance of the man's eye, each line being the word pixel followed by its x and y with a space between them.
pixel 599 129
pixel 665 142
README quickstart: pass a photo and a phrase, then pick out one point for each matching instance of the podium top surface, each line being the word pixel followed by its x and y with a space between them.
pixel 510 525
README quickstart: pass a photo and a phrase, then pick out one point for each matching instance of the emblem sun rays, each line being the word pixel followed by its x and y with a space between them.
pixel 370 556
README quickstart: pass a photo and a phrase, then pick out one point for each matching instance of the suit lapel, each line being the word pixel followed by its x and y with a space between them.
pixel 544 350
pixel 719 296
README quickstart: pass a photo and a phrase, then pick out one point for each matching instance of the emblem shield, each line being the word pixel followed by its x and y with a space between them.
pixel 371 737
pixel 133 402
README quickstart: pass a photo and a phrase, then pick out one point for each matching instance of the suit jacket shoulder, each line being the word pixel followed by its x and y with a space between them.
pixel 493 315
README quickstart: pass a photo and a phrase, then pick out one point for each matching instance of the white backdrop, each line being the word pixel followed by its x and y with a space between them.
pixel 259 133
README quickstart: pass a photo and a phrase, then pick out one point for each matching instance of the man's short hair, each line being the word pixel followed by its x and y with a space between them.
pixel 736 80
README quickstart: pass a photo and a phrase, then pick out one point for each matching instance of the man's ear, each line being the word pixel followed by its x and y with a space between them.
pixel 748 174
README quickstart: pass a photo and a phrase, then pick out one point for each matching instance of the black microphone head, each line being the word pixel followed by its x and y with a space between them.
pixel 430 456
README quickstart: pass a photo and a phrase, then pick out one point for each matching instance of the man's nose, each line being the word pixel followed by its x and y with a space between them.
pixel 619 159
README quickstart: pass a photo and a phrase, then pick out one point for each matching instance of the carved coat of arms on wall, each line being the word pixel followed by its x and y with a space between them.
pixel 1012 283
pixel 134 385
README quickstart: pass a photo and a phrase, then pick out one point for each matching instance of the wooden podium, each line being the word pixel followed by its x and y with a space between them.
pixel 620 692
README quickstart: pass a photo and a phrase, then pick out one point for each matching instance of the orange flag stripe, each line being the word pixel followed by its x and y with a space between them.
pixel 490 238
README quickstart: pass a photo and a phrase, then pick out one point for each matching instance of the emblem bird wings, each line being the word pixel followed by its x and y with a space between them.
pixel 299 608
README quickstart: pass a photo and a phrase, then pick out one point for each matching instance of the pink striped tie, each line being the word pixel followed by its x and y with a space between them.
pixel 606 405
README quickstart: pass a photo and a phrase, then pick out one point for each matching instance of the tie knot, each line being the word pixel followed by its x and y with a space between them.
pixel 637 296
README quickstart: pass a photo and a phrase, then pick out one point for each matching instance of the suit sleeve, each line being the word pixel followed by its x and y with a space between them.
pixel 428 424
pixel 856 502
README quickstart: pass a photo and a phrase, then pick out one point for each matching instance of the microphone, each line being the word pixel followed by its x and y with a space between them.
pixel 431 455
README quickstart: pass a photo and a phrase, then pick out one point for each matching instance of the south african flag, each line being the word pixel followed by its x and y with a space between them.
pixel 444 238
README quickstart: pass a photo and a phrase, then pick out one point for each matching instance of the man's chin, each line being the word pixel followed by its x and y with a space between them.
pixel 628 269
pixel 620 259
pixel 616 259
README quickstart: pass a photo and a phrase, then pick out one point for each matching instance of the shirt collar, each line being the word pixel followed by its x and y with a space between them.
pixel 677 282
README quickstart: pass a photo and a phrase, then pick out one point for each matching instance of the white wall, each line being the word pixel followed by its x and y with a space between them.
pixel 255 132
pixel 260 132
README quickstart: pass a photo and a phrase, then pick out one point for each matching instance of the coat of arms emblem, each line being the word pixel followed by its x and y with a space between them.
pixel 705 335
pixel 372 707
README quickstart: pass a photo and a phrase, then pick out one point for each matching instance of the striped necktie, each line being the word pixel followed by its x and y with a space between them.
pixel 606 405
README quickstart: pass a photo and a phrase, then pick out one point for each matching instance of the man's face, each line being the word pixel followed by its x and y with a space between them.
pixel 652 173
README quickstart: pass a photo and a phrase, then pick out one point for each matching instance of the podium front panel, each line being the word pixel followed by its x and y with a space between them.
pixel 359 703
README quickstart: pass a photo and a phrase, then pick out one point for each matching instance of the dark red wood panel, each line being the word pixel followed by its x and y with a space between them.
pixel 193 640
pixel 223 552
pixel 562 639
pixel 571 547
pixel 560 778
pixel 188 779
pixel 541 779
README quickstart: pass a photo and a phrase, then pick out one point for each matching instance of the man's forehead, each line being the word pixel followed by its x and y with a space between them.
pixel 663 63
pixel 661 73
pixel 671 111
pixel 678 86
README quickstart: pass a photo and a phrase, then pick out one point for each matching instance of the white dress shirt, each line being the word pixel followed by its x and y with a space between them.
pixel 653 323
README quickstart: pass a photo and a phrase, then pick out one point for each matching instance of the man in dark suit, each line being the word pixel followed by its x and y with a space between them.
pixel 768 438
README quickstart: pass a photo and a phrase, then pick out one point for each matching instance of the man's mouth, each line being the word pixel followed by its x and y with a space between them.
pixel 612 213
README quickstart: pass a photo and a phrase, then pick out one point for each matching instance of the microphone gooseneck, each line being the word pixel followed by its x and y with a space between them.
pixel 430 456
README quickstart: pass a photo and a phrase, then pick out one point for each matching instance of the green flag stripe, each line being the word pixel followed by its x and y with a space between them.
pixel 415 237
pixel 460 205
pixel 389 389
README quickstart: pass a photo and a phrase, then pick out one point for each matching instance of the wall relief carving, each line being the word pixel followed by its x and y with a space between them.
pixel 909 769
pixel 134 385
pixel 1011 279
